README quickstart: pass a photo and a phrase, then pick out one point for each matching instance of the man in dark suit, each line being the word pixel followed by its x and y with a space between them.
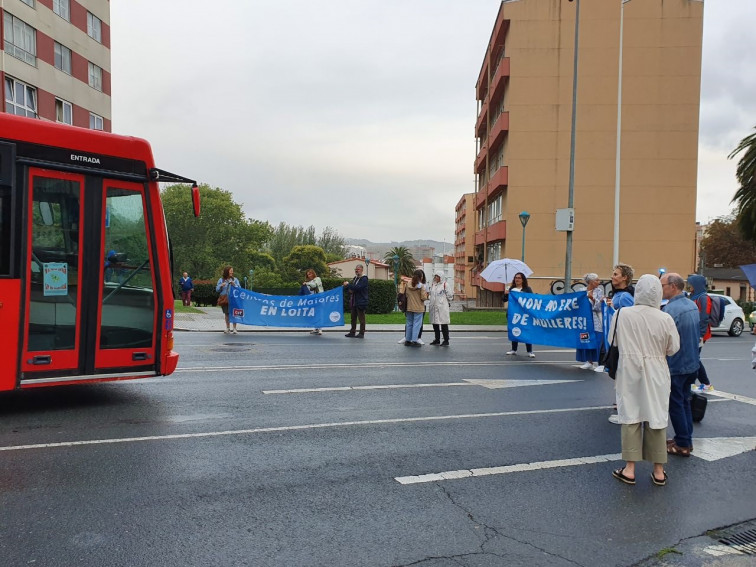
pixel 358 302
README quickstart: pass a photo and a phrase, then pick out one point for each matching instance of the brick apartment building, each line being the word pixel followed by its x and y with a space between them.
pixel 523 131
pixel 55 61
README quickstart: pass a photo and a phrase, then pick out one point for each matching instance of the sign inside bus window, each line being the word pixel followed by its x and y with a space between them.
pixel 168 319
pixel 55 278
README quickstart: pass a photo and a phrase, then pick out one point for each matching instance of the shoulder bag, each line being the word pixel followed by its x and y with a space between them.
pixel 611 357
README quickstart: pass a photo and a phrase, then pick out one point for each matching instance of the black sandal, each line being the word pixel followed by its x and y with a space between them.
pixel 619 475
pixel 658 482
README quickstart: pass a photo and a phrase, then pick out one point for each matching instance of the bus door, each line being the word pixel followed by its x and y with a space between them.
pixel 53 322
pixel 127 316
pixel 90 310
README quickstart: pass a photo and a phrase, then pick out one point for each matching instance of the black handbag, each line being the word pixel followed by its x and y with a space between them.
pixel 611 356
pixel 401 301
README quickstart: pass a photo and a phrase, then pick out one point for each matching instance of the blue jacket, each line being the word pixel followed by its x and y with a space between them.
pixel 186 284
pixel 698 295
pixel 685 314
pixel 359 289
pixel 623 297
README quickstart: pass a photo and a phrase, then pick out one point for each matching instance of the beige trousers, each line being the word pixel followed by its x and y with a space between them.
pixel 641 443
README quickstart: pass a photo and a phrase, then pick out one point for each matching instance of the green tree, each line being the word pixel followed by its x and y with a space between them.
pixel 221 235
pixel 724 245
pixel 406 261
pixel 284 238
pixel 745 196
pixel 258 260
pixel 303 258
pixel 332 243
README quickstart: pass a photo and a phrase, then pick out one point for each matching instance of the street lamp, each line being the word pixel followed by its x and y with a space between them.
pixel 524 218
pixel 617 160
pixel 395 258
pixel 571 193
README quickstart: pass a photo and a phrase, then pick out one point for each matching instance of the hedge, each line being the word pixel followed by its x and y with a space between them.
pixel 381 297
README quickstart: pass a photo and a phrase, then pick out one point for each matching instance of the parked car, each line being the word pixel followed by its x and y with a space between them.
pixel 734 319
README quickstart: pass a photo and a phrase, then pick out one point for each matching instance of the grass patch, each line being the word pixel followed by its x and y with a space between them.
pixel 456 317
pixel 178 307
pixel 667 551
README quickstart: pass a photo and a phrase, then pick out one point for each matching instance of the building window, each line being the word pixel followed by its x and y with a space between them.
pixel 95 121
pixel 94 27
pixel 62 8
pixel 63 111
pixel 494 251
pixel 20 39
pixel 29 2
pixel 20 98
pixel 95 77
pixel 494 211
pixel 62 58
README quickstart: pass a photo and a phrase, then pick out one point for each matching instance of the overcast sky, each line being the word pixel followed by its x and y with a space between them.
pixel 358 115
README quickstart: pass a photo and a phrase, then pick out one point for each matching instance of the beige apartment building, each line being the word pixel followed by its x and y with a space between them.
pixel 523 129
pixel 464 248
pixel 55 62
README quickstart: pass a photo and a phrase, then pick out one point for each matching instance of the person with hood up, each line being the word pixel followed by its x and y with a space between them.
pixel 645 337
pixel 438 308
pixel 697 286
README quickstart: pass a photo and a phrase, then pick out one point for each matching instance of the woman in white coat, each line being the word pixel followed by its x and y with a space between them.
pixel 438 308
pixel 645 337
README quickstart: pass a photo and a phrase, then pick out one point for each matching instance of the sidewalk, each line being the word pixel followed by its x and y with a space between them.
pixel 212 320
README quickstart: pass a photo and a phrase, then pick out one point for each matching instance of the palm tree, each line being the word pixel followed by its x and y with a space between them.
pixel 406 261
pixel 745 196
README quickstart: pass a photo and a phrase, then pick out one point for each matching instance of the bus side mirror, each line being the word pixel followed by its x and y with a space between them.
pixel 196 200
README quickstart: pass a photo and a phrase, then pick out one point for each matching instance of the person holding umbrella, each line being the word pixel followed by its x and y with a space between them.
pixel 519 283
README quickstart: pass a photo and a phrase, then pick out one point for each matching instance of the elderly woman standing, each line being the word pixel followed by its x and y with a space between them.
pixel 315 285
pixel 438 308
pixel 645 337
pixel 590 356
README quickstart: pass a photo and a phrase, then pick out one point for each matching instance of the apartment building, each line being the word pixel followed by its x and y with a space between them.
pixel 55 62
pixel 523 131
pixel 465 261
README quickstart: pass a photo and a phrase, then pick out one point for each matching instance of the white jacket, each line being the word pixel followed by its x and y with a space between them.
pixel 438 303
pixel 645 337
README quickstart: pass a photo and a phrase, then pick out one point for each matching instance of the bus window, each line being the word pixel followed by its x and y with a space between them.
pixel 53 303
pixel 128 299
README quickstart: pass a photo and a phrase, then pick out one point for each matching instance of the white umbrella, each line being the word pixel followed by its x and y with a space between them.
pixel 504 270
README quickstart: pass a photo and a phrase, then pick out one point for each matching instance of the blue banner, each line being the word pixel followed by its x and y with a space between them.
pixel 607 313
pixel 317 310
pixel 563 320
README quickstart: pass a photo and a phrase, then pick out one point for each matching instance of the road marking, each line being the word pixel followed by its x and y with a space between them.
pixel 297 428
pixel 490 384
pixel 708 449
pixel 368 365
pixel 736 397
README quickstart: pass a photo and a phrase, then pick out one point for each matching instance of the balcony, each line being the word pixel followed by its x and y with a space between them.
pixel 480 123
pixel 497 231
pixel 500 79
pixel 500 179
pixel 498 130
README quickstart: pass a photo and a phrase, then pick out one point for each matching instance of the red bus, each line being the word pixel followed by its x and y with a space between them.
pixel 85 275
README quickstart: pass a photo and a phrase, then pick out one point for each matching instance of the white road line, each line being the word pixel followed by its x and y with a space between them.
pixel 490 384
pixel 467 473
pixel 296 428
pixel 736 397
pixel 369 365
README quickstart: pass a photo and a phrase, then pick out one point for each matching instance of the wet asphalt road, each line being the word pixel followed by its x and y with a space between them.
pixel 225 463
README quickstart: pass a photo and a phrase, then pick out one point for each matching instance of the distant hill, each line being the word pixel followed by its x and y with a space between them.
pixel 379 249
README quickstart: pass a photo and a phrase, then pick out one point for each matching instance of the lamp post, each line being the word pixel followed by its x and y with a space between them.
pixel 615 248
pixel 571 193
pixel 395 258
pixel 524 218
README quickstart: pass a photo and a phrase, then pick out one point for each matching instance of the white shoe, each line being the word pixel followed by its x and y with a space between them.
pixel 598 368
pixel 402 341
pixel 531 355
pixel 512 352
pixel 586 366
pixel 227 331
pixel 234 332
pixel 420 342
pixel 614 418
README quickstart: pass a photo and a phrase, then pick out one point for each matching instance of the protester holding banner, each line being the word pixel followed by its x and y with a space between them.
pixel 622 288
pixel 595 295
pixel 519 283
pixel 358 302
pixel 315 285
pixel 438 308
pixel 645 337
pixel 224 285
pixel 416 297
